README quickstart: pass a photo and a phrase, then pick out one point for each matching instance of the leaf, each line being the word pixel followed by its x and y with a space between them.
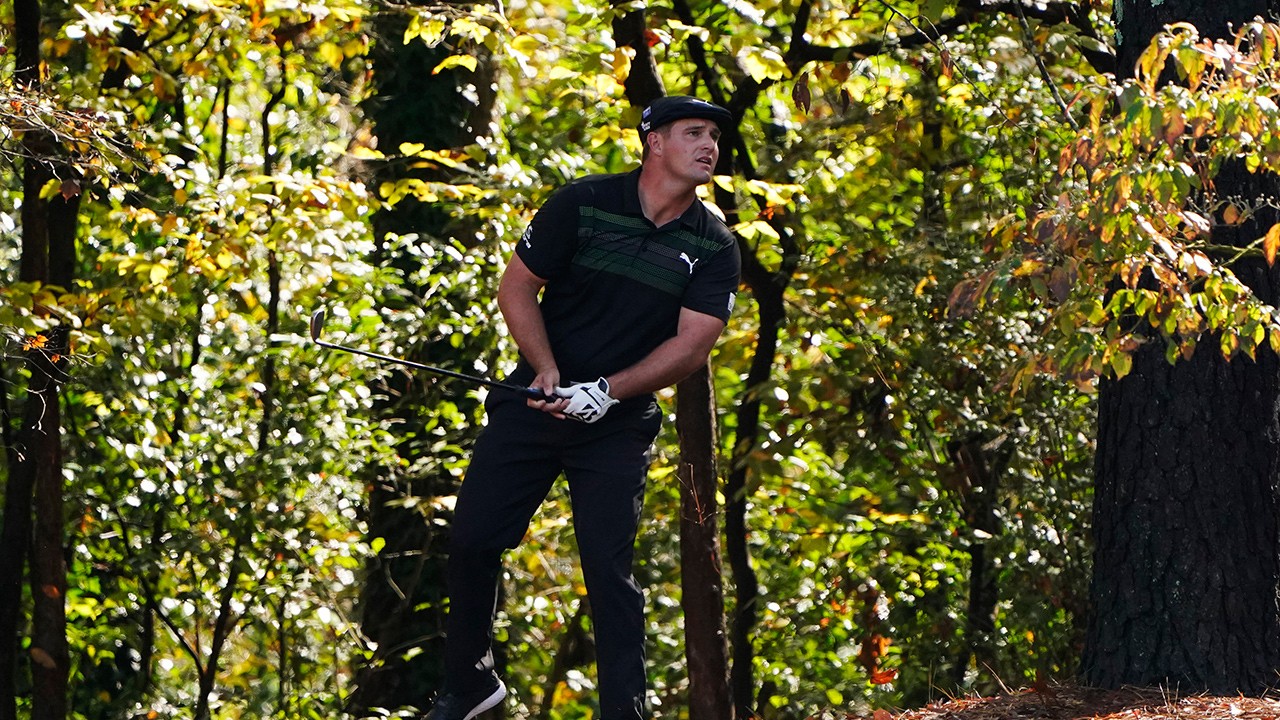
pixel 1270 243
pixel 801 95
pixel 1174 125
pixel 331 54
pixel 883 677
pixel 1122 363
pixel 51 188
pixel 1230 215
pixel 963 299
pixel 932 10
pixel 1060 283
pixel 69 189
pixel 466 61
pixel 882 715
pixel 43 658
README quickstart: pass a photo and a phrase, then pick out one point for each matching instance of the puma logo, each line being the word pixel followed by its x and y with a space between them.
pixel 685 257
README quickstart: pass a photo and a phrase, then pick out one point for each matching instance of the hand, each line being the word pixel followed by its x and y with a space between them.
pixel 546 382
pixel 588 402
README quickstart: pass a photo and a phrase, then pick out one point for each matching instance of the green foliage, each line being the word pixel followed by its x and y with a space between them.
pixel 221 466
pixel 1132 243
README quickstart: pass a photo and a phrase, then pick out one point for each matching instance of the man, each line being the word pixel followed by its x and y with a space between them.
pixel 637 279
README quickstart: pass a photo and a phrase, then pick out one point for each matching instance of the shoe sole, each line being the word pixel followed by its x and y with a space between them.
pixel 488 702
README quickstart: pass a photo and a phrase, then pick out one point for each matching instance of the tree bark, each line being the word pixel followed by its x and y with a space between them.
pixel 33 519
pixel 980 471
pixel 701 574
pixel 701 578
pixel 1186 570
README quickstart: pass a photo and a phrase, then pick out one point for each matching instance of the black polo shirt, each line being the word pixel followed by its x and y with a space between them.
pixel 615 282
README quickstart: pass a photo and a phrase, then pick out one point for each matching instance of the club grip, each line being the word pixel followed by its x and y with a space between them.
pixel 536 394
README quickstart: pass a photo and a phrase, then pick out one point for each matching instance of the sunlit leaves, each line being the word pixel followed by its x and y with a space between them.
pixel 1137 203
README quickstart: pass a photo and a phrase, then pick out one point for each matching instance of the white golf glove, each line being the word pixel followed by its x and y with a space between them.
pixel 587 401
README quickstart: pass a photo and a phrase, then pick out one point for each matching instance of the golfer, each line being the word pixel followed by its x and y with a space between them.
pixel 637 279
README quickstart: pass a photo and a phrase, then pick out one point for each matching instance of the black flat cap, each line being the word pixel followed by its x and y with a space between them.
pixel 679 107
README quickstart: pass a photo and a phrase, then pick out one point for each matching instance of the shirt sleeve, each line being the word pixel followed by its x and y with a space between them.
pixel 549 243
pixel 713 287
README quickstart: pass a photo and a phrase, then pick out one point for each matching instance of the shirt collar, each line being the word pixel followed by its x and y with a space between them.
pixel 631 201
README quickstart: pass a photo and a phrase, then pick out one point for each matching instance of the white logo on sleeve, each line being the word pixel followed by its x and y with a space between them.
pixel 732 296
pixel 528 233
pixel 685 257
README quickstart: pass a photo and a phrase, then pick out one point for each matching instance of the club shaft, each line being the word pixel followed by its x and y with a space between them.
pixel 523 391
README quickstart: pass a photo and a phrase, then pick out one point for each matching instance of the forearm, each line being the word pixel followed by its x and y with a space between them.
pixel 524 320
pixel 668 364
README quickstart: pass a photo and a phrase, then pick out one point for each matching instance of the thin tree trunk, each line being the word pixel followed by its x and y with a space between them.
pixel 222 627
pixel 48 257
pixel 767 288
pixel 980 469
pixel 701 578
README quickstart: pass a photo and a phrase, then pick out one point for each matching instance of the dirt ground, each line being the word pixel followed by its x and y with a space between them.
pixel 1067 702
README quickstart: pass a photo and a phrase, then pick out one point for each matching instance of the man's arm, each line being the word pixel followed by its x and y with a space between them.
pixel 518 301
pixel 673 360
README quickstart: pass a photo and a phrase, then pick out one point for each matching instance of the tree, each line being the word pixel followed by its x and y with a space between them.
pixel 1186 570
pixel 33 510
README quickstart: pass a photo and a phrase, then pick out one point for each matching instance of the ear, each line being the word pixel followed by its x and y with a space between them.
pixel 655 143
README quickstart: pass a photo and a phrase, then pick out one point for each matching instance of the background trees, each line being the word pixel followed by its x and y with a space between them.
pixel 951 225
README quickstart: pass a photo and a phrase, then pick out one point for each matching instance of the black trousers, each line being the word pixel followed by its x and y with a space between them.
pixel 516 460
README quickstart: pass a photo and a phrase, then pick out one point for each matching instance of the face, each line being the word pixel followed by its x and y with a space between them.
pixel 688 149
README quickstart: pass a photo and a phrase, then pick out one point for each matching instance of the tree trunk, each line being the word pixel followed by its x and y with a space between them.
pixel 33 520
pixel 701 579
pixel 768 290
pixel 1186 567
pixel 980 470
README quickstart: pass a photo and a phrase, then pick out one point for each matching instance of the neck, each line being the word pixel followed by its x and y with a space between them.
pixel 664 198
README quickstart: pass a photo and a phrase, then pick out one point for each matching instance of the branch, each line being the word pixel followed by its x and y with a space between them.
pixel 802 51
pixel 644 84
pixel 1044 71
pixel 1060 13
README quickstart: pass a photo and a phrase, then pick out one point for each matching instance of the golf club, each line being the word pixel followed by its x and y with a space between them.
pixel 317 324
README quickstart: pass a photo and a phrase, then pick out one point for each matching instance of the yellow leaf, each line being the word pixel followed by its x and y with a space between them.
pixel 411 148
pixel 466 61
pixel 1230 215
pixel 158 273
pixel 331 54
pixel 525 44
pixel 51 188
pixel 622 63
pixel 366 153
pixel 749 230
pixel 170 222
pixel 1270 243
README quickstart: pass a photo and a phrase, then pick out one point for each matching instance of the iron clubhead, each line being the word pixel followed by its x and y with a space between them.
pixel 317 324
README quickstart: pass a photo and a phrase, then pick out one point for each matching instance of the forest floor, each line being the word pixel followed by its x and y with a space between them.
pixel 1068 702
